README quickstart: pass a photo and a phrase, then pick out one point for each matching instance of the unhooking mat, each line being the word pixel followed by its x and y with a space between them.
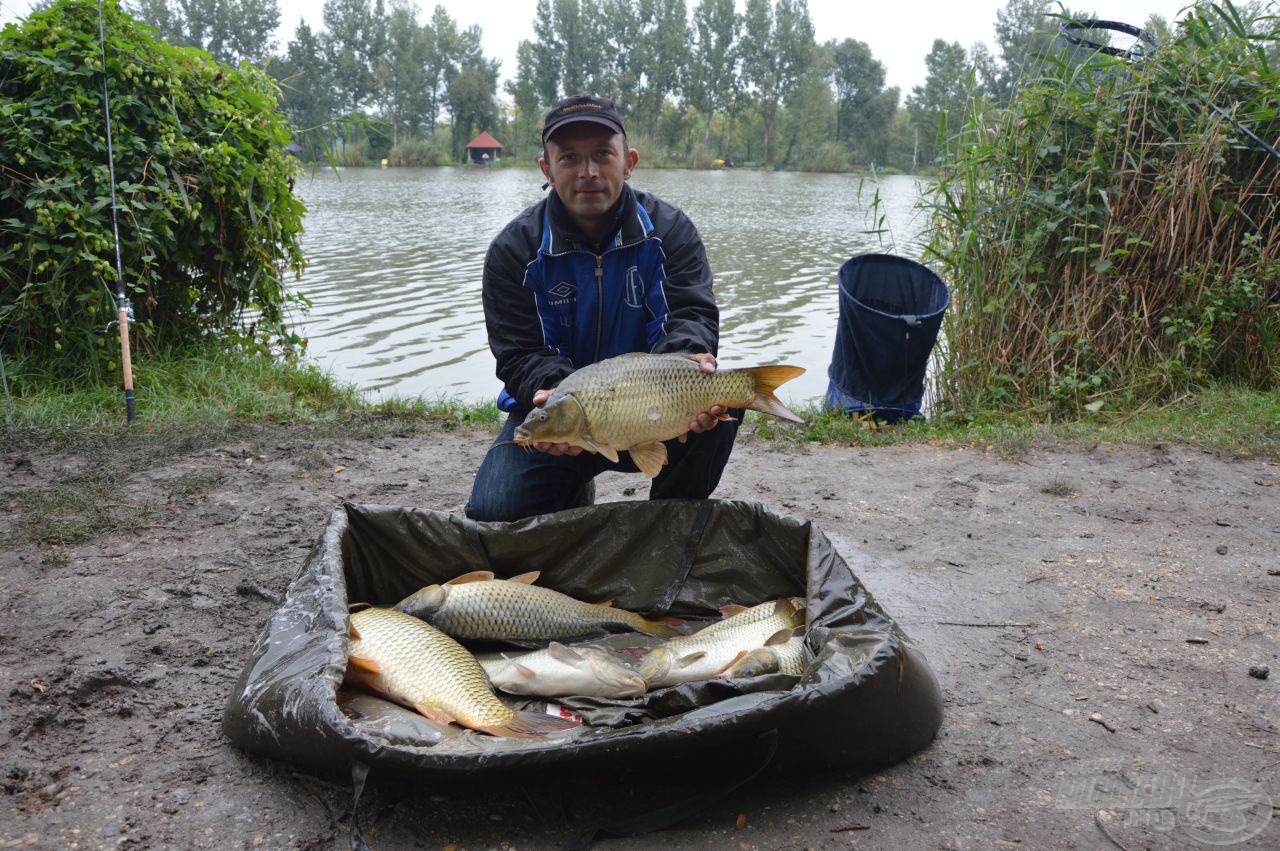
pixel 867 697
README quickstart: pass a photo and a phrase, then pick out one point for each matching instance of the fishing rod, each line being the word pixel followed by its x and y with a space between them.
pixel 124 308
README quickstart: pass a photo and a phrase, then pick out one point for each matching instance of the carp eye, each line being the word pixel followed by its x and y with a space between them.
pixel 542 415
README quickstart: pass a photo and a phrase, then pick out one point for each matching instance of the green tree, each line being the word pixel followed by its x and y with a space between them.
pixel 665 48
pixel 1025 34
pixel 208 221
pixel 714 60
pixel 471 90
pixel 525 135
pixel 864 107
pixel 355 35
pixel 402 71
pixel 306 86
pixel 544 69
pixel 777 48
pixel 944 90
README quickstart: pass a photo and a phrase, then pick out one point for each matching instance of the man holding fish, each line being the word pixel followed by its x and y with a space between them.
pixel 593 274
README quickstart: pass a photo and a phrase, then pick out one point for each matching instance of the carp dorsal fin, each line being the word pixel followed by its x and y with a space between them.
pixel 649 457
pixel 782 636
pixel 604 604
pixel 526 578
pixel 473 576
pixel 561 653
pixel 732 609
pixel 364 664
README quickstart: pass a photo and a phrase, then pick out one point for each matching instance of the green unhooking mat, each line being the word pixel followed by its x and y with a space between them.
pixel 866 698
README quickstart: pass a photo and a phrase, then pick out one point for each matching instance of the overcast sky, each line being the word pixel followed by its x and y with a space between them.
pixel 899 34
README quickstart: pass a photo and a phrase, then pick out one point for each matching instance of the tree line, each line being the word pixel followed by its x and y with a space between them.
pixel 693 87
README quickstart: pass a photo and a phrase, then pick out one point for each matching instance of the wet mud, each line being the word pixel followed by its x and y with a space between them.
pixel 1102 620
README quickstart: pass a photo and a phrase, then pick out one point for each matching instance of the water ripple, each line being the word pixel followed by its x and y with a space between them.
pixel 395 259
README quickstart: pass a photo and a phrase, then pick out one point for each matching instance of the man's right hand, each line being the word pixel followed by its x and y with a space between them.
pixel 539 399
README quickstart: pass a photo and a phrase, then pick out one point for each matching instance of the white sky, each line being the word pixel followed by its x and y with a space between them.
pixel 899 34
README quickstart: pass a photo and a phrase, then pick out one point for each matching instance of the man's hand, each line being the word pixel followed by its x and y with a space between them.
pixel 706 420
pixel 539 398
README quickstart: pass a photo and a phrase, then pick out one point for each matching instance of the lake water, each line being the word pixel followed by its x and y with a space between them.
pixel 395 257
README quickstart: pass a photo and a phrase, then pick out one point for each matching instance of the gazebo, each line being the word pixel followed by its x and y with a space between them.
pixel 483 148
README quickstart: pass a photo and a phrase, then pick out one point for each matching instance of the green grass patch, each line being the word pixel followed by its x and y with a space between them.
pixel 215 391
pixel 78 507
pixel 184 403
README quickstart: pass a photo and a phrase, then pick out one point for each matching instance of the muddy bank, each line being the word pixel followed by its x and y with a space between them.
pixel 1093 616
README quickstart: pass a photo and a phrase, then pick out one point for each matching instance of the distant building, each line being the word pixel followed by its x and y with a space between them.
pixel 483 149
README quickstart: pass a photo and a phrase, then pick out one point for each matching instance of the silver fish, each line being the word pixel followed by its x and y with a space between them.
pixel 561 671
pixel 709 651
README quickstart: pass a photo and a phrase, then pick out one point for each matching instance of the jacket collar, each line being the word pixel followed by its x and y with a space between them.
pixel 560 235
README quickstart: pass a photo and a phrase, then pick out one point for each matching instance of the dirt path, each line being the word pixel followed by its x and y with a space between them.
pixel 1091 614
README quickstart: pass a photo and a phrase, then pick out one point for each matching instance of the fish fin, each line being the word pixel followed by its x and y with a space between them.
pixel 364 664
pixel 604 604
pixel 607 451
pixel 649 457
pixel 767 379
pixel 530 725
pixel 526 578
pixel 742 654
pixel 724 418
pixel 660 627
pixel 686 661
pixel 732 609
pixel 473 576
pixel 798 632
pixel 433 713
pixel 524 670
pixel 782 636
pixel 561 653
pixel 352 608
pixel 352 631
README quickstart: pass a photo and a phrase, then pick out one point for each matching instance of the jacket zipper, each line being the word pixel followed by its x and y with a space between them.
pixel 599 302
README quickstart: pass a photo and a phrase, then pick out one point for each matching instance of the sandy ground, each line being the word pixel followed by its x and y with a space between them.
pixel 1092 615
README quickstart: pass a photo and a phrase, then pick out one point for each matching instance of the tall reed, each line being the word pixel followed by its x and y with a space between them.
pixel 1111 237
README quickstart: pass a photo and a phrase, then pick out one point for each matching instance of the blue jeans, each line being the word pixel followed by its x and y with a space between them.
pixel 514 482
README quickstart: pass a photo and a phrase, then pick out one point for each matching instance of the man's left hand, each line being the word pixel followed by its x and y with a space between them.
pixel 706 420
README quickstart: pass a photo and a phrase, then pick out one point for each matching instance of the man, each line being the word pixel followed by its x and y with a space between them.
pixel 595 270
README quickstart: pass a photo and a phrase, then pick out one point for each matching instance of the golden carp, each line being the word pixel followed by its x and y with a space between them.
pixel 709 651
pixel 478 606
pixel 561 671
pixel 633 402
pixel 789 657
pixel 400 657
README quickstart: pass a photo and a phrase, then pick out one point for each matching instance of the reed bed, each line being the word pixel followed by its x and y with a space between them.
pixel 1111 236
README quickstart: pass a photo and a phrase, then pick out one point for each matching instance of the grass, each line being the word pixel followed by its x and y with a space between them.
pixel 183 404
pixel 216 392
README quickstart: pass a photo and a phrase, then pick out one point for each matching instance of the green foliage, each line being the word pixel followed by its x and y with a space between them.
pixel 418 153
pixel 208 223
pixel 1110 235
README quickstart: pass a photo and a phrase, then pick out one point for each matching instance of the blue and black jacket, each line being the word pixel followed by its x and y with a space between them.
pixel 554 303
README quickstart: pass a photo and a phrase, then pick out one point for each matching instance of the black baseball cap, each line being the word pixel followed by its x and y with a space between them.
pixel 581 108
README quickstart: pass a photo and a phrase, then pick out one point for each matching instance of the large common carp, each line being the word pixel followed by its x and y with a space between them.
pixel 477 606
pixel 633 402
pixel 561 671
pixel 711 650
pixel 402 658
